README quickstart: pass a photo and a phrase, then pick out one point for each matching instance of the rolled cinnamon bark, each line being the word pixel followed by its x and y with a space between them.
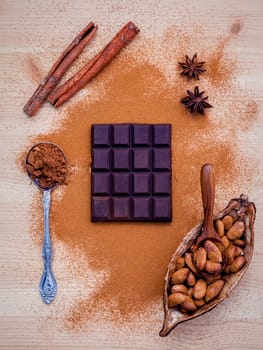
pixel 59 68
pixel 92 68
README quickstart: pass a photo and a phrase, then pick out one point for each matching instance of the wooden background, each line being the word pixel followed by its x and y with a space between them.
pixel 41 28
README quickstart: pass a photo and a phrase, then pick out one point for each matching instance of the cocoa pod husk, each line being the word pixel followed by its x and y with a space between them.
pixel 234 215
pixel 174 316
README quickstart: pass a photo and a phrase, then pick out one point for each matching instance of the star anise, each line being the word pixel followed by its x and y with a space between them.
pixel 191 67
pixel 195 101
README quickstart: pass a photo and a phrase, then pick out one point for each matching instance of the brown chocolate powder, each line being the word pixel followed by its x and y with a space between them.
pixel 46 165
pixel 136 254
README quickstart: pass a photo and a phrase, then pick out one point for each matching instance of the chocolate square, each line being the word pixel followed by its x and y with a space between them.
pixel 101 159
pixel 142 184
pixel 142 159
pixel 131 172
pixel 121 159
pixel 101 184
pixel 141 208
pixel 121 135
pixel 121 183
pixel 121 207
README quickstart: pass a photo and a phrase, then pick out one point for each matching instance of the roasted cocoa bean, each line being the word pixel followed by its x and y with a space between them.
pixel 176 299
pixel 179 288
pixel 213 253
pixel 219 225
pixel 180 275
pixel 189 262
pixel 200 258
pixel 212 267
pixel 214 289
pixel 200 289
pixel 228 222
pixel 236 231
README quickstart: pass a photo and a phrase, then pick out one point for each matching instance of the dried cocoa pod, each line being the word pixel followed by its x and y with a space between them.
pixel 189 304
pixel 179 288
pixel 191 279
pixel 200 258
pixel 180 275
pixel 237 264
pixel 219 225
pixel 213 253
pixel 236 231
pixel 176 299
pixel 189 262
pixel 200 289
pixel 228 222
pixel 212 267
pixel 174 316
pixel 214 289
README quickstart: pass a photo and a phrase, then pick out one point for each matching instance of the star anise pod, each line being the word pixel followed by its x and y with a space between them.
pixel 191 67
pixel 195 101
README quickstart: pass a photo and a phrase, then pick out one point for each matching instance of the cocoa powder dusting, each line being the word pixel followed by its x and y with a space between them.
pixel 135 255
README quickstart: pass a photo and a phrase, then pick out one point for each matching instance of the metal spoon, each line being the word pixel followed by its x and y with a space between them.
pixel 48 284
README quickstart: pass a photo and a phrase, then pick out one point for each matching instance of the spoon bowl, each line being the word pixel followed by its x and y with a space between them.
pixel 46 167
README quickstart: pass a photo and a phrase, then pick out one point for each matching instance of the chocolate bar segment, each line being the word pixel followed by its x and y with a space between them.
pixel 121 135
pixel 101 135
pixel 131 172
pixel 161 135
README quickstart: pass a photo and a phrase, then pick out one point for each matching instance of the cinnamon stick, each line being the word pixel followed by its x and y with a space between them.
pixel 59 68
pixel 92 68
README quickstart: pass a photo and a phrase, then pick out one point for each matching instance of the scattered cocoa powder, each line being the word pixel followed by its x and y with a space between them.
pixel 136 254
pixel 46 165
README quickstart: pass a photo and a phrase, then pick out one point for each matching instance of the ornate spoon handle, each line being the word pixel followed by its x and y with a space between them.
pixel 48 284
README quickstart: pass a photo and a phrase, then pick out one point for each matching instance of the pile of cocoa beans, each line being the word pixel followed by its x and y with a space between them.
pixel 198 277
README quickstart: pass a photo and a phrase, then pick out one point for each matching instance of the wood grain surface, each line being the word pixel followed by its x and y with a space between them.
pixel 32 33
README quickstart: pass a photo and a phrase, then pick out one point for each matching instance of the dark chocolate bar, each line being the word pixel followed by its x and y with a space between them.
pixel 131 172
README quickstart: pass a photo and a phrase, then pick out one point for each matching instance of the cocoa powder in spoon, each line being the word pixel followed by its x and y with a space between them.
pixel 46 165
